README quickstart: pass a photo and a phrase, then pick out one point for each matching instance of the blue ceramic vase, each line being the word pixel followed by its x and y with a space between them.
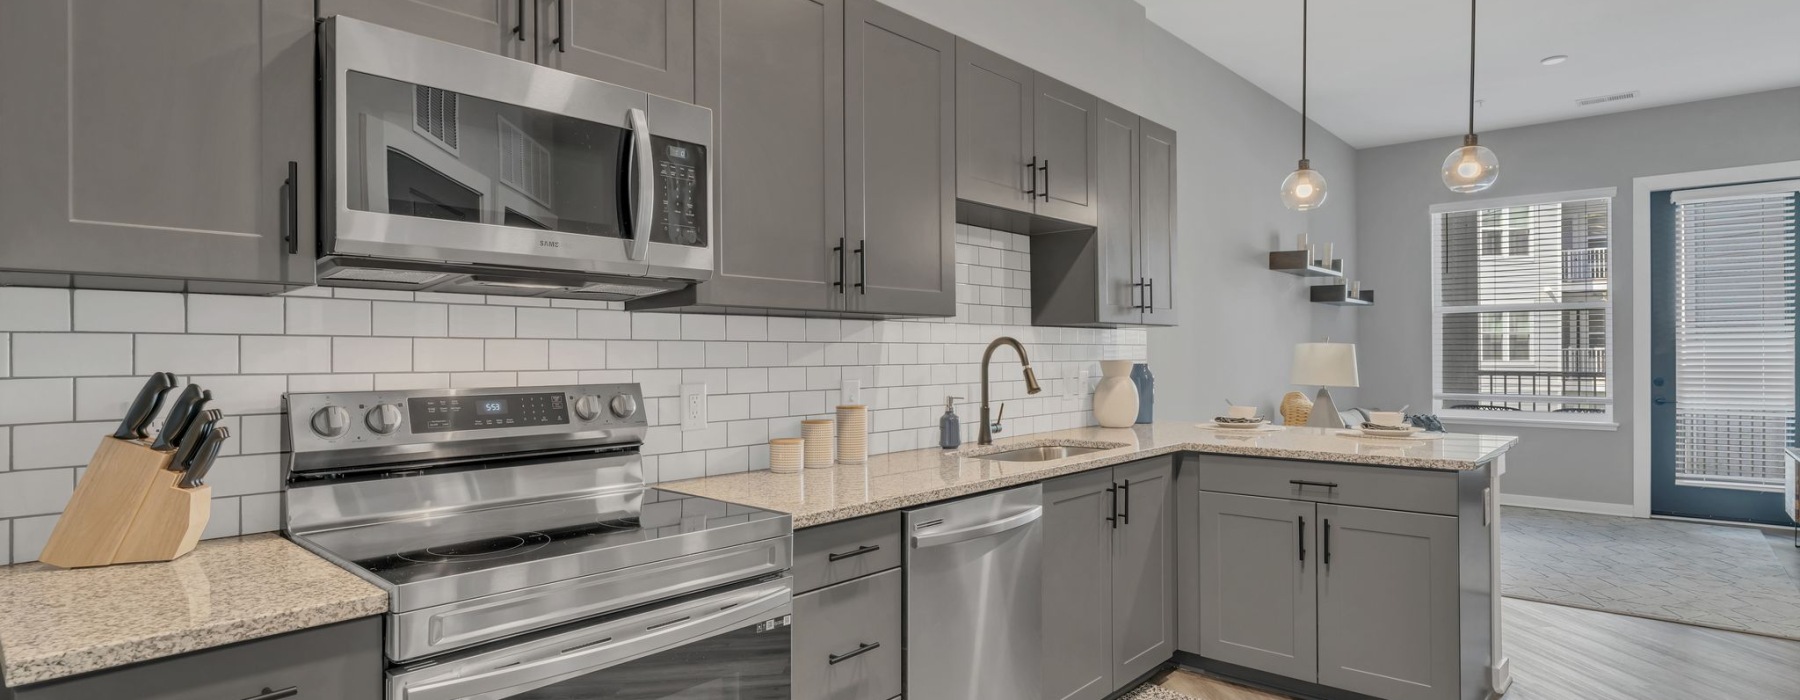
pixel 1146 386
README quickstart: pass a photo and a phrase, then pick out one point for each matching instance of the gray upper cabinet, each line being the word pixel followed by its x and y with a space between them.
pixel 641 44
pixel 1078 580
pixel 900 126
pixel 505 27
pixel 154 140
pixel 1066 138
pixel 1156 222
pixel 1258 605
pixel 994 160
pixel 1143 569
pixel 1388 591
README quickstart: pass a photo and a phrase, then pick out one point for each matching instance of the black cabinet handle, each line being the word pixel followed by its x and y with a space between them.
pixel 862 267
pixel 290 204
pixel 843 265
pixel 1150 297
pixel 1031 172
pixel 861 649
pixel 518 29
pixel 1302 483
pixel 1113 515
pixel 270 694
pixel 1301 531
pixel 561 46
pixel 1126 516
pixel 859 551
pixel 1328 541
pixel 1046 168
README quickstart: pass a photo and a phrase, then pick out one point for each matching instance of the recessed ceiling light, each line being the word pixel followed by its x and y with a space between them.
pixel 1553 60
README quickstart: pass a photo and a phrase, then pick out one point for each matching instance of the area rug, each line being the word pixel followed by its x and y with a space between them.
pixel 1150 691
pixel 1709 575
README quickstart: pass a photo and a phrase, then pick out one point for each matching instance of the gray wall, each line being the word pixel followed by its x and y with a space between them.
pixel 1238 320
pixel 1399 182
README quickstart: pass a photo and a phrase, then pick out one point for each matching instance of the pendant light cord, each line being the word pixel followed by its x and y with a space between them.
pixel 1472 67
pixel 1304 12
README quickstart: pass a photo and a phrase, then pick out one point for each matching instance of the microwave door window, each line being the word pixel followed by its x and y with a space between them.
pixel 437 154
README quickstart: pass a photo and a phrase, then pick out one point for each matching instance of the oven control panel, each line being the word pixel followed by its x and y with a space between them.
pixel 436 414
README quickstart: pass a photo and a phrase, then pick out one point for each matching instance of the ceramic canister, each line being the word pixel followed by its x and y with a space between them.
pixel 1116 398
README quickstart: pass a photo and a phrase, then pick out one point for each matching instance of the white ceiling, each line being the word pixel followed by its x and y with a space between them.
pixel 1390 71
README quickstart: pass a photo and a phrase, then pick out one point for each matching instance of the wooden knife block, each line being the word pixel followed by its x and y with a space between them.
pixel 128 507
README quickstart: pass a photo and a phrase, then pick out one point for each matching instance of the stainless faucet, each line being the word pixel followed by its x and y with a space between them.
pixel 1031 383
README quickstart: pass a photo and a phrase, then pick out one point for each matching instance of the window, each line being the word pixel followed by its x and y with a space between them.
pixel 1522 309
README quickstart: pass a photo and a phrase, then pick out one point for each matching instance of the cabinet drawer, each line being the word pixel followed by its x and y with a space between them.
pixel 847 640
pixel 1348 484
pixel 838 552
pixel 341 661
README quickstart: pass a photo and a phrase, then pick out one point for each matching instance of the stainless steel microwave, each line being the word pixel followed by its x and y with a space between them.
pixel 450 169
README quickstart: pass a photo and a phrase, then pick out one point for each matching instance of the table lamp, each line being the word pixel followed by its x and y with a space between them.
pixel 1325 365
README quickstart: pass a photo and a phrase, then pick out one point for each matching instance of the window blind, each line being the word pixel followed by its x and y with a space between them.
pixel 1734 336
pixel 1523 309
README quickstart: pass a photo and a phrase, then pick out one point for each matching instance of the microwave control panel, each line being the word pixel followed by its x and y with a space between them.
pixel 681 196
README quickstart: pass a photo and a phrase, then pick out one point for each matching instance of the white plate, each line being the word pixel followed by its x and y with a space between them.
pixel 1391 435
pixel 1240 426
pixel 1381 432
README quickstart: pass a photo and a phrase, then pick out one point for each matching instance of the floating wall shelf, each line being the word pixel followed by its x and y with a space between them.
pixel 1296 262
pixel 1338 295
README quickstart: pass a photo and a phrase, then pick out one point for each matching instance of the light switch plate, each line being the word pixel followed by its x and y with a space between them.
pixel 851 391
pixel 693 407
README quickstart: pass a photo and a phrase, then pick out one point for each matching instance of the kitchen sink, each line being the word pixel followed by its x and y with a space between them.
pixel 1040 454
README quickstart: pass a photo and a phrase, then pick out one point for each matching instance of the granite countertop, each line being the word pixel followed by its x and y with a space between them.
pixel 902 479
pixel 56 622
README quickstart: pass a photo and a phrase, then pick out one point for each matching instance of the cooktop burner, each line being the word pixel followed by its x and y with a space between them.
pixel 479 550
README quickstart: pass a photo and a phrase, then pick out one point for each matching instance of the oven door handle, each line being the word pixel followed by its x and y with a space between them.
pixel 642 164
pixel 604 646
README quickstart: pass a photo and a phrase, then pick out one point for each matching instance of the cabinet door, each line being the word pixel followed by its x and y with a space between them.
pixel 1257 587
pixel 847 639
pixel 1066 138
pixel 505 27
pixel 1078 542
pixel 138 137
pixel 900 126
pixel 777 95
pixel 1143 568
pixel 641 44
pixel 993 129
pixel 1156 222
pixel 1120 276
pixel 1388 603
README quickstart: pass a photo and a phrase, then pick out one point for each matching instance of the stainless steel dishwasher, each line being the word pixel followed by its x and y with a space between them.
pixel 973 591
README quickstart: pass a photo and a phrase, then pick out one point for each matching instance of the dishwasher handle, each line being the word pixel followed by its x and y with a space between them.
pixel 995 527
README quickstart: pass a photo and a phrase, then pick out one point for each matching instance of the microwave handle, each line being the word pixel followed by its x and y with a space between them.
pixel 643 175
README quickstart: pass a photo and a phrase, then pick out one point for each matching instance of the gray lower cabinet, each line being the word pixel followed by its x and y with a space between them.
pixel 1109 589
pixel 342 661
pixel 169 140
pixel 1258 587
pixel 847 614
pixel 1388 598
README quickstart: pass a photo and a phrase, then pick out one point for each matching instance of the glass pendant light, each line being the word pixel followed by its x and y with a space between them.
pixel 1473 167
pixel 1304 189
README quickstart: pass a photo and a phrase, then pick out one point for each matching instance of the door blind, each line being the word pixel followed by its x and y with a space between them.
pixel 1524 309
pixel 1734 338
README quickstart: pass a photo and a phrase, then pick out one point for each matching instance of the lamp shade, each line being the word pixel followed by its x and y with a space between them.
pixel 1325 364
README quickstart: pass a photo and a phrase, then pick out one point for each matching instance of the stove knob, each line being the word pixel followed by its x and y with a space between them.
pixel 624 405
pixel 587 407
pixel 330 422
pixel 384 418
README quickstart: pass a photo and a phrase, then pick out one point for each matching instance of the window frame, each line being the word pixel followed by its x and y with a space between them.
pixel 1606 420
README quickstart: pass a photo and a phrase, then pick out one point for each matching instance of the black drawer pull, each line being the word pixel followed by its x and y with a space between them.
pixel 861 649
pixel 1301 532
pixel 1302 483
pixel 661 625
pixel 267 694
pixel 1328 541
pixel 1125 517
pixel 859 551
pixel 290 208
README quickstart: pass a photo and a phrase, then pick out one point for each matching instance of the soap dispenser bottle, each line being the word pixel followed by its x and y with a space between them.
pixel 950 426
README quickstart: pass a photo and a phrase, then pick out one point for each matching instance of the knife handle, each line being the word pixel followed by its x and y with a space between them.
pixel 142 407
pixel 177 419
pixel 192 439
pixel 209 451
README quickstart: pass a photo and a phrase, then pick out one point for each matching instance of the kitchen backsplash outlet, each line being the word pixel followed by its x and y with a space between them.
pixel 70 361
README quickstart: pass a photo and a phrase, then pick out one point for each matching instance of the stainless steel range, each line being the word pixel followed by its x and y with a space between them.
pixel 523 554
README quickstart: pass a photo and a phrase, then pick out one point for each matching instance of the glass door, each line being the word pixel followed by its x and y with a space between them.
pixel 1723 389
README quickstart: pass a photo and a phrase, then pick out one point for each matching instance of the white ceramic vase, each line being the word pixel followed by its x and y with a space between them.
pixel 1116 398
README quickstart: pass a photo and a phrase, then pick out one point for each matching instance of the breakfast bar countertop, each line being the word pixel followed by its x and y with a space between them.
pixel 916 477
pixel 62 622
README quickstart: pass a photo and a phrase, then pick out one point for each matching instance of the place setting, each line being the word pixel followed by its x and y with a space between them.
pixel 1241 420
pixel 1390 425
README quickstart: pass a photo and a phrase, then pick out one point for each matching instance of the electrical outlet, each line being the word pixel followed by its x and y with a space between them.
pixel 693 407
pixel 851 392
pixel 1082 387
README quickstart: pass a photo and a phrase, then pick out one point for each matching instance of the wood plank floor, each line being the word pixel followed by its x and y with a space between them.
pixel 1561 653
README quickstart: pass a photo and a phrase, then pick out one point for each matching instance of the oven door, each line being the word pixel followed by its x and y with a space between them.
pixel 730 645
pixel 442 154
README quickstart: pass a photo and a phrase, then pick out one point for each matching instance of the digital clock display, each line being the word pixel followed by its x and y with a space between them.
pixel 436 414
pixel 491 407
pixel 678 152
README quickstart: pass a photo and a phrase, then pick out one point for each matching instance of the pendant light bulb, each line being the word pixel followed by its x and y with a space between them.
pixel 1473 167
pixel 1304 189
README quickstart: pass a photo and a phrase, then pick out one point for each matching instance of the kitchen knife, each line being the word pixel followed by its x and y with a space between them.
pixel 209 451
pixel 189 445
pixel 143 407
pixel 177 419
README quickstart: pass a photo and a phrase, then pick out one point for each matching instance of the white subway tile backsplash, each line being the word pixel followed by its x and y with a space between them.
pixel 702 327
pixel 321 383
pixel 448 354
pixel 480 380
pixel 5 451
pixel 381 294
pixel 371 354
pixel 631 354
pixel 547 323
pixel 260 512
pixel 284 354
pixel 187 354
pixel 70 354
pixel 224 520
pixel 415 380
pixel 577 354
pixel 482 321
pixel 244 393
pixel 30 535
pixel 259 434
pixel 32 309
pixel 35 491
pixel 212 313
pixel 410 319
pixel 245 474
pixel 48 445
pixel 656 326
pixel 309 316
pixel 128 312
pixel 782 328
pixel 746 328
pixel 603 325
pixel 681 354
pixel 37 400
pixel 518 354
